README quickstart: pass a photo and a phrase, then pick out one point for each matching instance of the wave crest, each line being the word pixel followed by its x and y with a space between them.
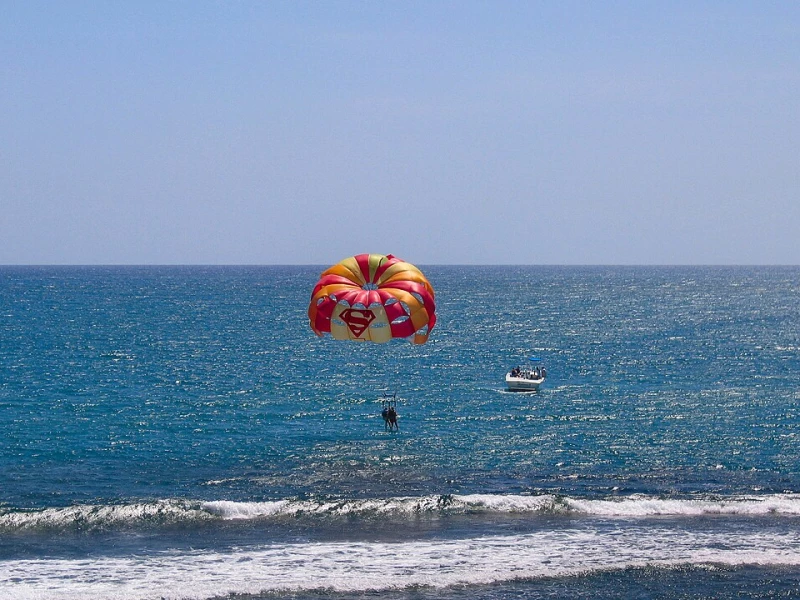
pixel 92 517
pixel 170 512
pixel 400 506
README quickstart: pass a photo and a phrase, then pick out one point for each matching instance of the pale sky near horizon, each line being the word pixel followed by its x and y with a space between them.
pixel 493 132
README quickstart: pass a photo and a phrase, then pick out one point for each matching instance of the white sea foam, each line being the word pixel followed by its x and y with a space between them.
pixel 165 512
pixel 354 567
pixel 644 506
pixel 628 506
pixel 350 507
pixel 87 516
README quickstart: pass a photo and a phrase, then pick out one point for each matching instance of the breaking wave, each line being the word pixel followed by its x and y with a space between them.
pixel 171 512
pixel 352 568
pixel 89 517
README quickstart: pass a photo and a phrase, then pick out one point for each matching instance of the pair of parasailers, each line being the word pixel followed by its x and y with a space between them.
pixel 389 415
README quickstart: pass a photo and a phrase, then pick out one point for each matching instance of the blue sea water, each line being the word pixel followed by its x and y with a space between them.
pixel 179 432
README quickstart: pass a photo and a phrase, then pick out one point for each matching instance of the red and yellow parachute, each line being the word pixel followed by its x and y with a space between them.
pixel 373 297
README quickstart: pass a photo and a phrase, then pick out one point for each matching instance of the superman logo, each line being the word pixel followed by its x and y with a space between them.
pixel 357 320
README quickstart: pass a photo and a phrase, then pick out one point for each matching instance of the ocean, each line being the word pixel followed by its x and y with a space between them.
pixel 181 433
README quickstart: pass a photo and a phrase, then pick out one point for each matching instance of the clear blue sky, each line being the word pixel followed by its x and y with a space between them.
pixel 244 132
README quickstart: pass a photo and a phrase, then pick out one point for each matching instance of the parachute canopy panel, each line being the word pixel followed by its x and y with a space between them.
pixel 373 298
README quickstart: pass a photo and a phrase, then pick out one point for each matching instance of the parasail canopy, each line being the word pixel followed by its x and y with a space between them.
pixel 373 297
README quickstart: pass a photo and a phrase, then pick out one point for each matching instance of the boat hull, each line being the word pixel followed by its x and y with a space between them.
pixel 523 384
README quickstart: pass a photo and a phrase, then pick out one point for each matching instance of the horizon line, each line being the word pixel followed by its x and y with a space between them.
pixel 223 265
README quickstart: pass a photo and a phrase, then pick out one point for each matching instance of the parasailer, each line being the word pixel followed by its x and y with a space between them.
pixel 375 298
pixel 389 412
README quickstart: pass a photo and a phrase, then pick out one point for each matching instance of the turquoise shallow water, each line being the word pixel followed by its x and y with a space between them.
pixel 180 432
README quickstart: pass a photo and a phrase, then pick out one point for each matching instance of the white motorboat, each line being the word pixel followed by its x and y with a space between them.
pixel 526 379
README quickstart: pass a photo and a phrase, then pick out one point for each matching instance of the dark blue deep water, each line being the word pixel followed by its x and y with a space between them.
pixel 180 432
